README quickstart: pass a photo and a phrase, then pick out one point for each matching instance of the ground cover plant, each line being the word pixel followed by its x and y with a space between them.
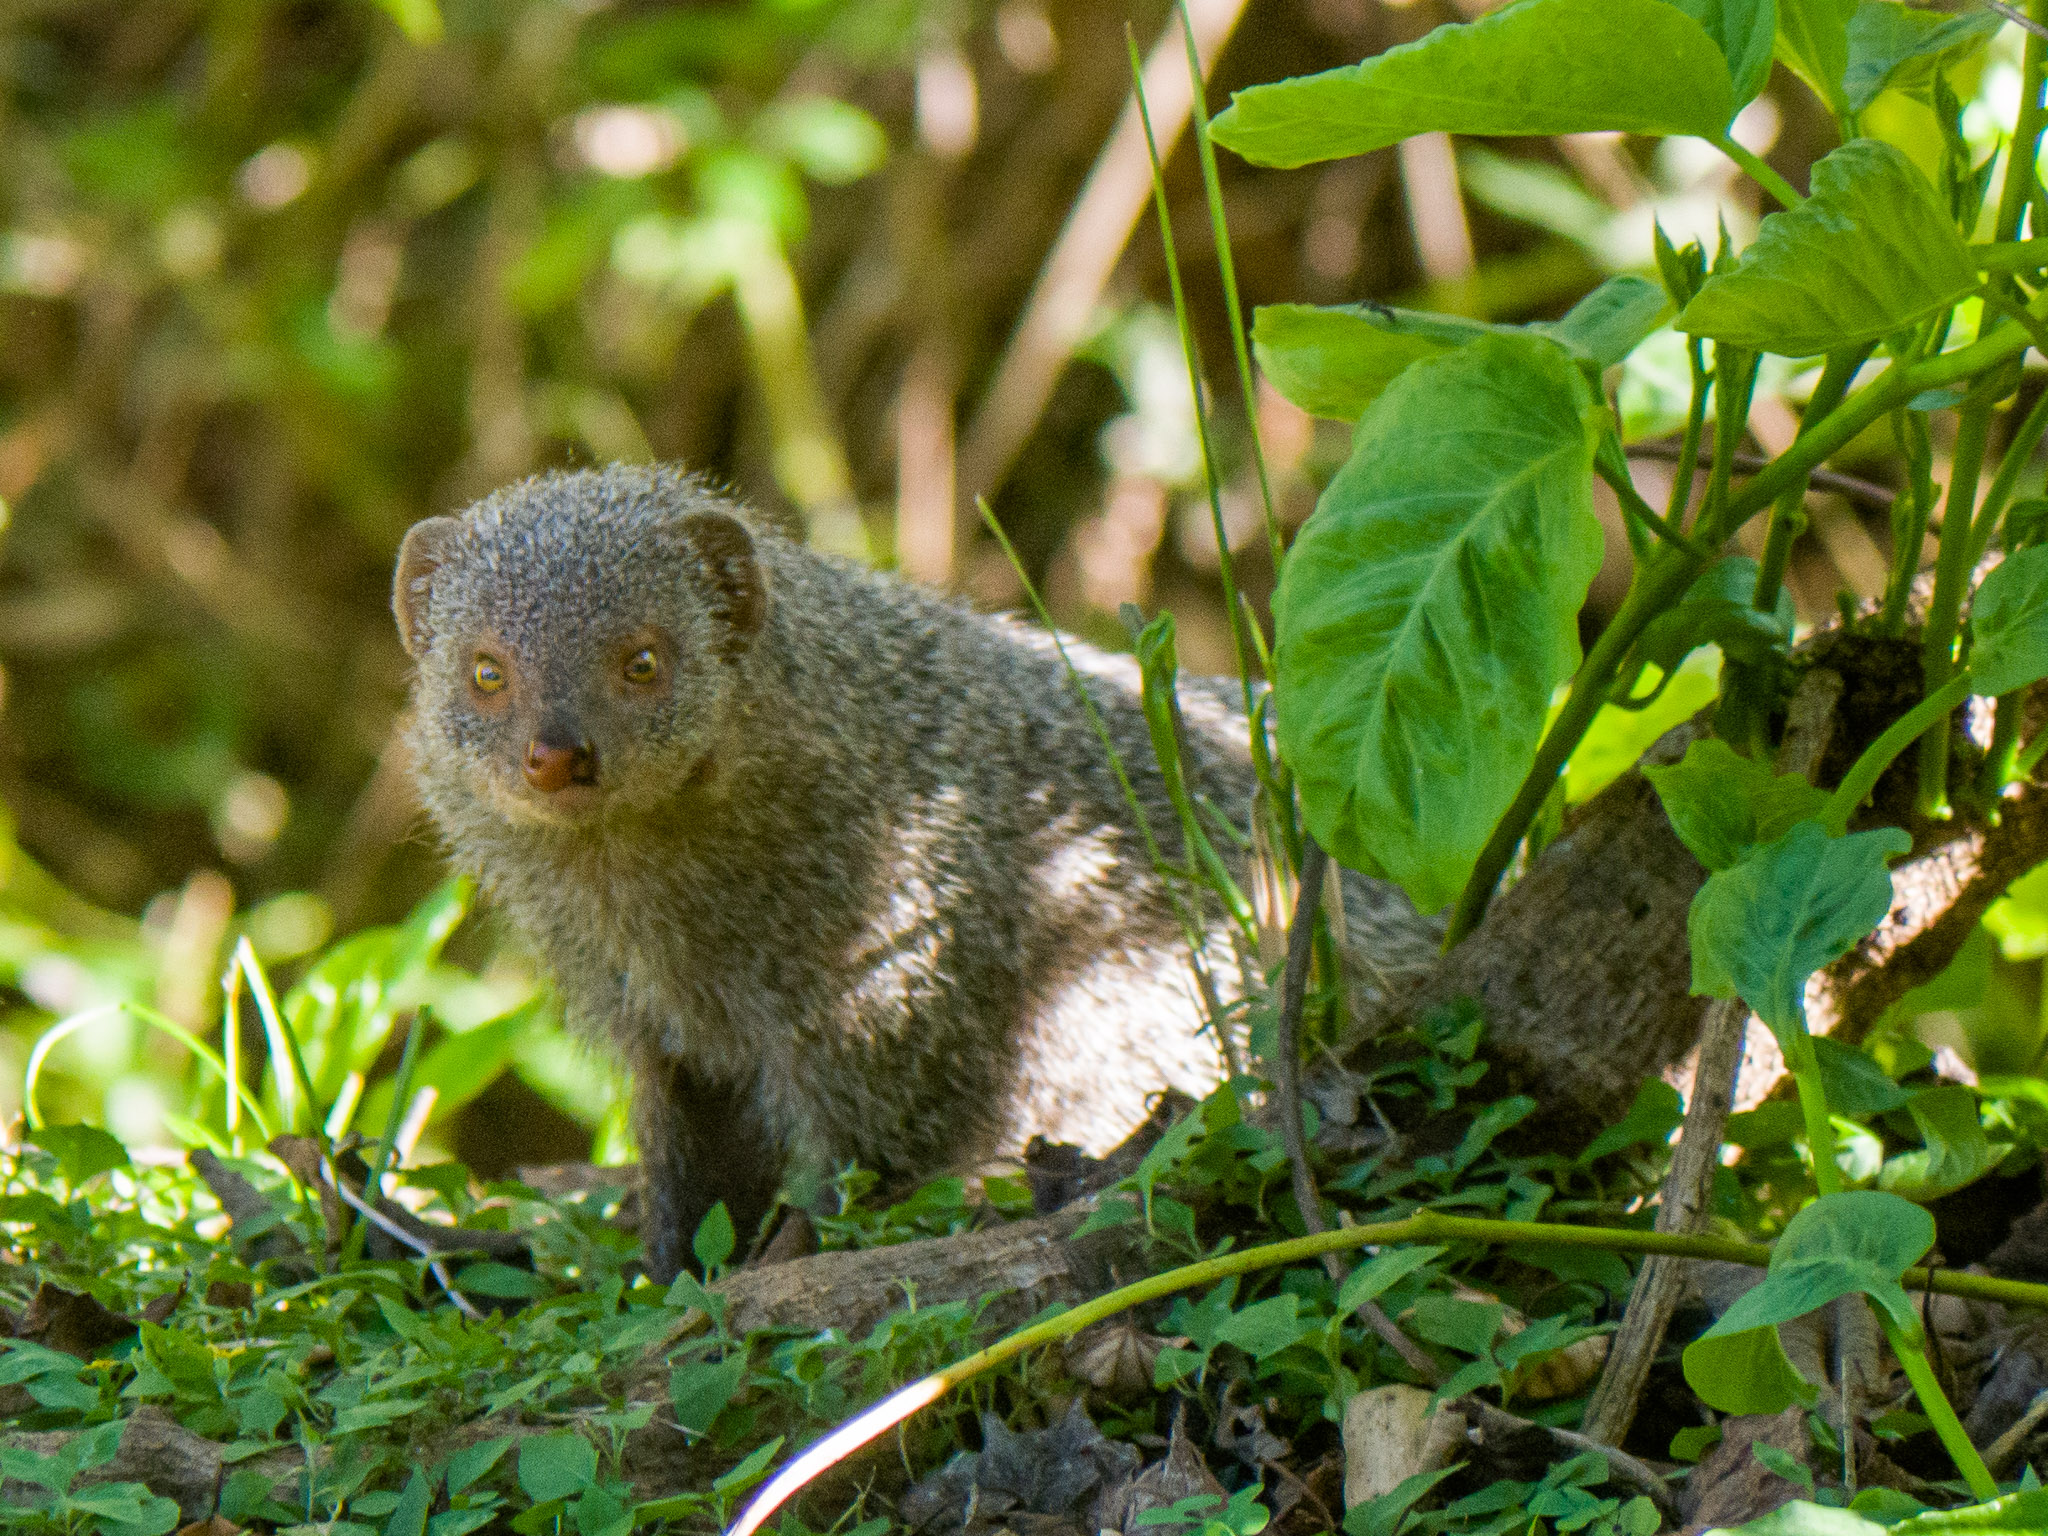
pixel 268 1312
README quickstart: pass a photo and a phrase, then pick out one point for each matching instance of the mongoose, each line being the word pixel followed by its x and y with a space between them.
pixel 841 870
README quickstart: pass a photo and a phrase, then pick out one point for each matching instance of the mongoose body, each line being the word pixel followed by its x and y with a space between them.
pixel 840 870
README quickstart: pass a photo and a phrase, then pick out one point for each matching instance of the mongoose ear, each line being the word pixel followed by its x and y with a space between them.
pixel 427 544
pixel 732 574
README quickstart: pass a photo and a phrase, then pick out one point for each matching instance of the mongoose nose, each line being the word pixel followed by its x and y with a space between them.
pixel 550 767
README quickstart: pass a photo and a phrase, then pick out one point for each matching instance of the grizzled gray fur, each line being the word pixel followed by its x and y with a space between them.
pixel 839 869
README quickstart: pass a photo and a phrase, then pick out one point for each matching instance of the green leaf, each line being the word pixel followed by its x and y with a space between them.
pixel 1717 609
pixel 2017 1514
pixel 410 1517
pixel 1871 252
pixel 1955 1151
pixel 1694 1441
pixel 1813 42
pixel 82 1151
pixel 1379 1274
pixel 1860 1240
pixel 2009 624
pixel 1759 929
pixel 701 1389
pixel 1744 30
pixel 1655 1114
pixel 1381 1516
pixel 556 1466
pixel 1542 67
pixel 1466 1326
pixel 471 1463
pixel 505 1282
pixel 1890 44
pixel 1745 1373
pixel 1854 1083
pixel 1266 1327
pixel 1334 362
pixel 1723 805
pixel 1611 321
pixel 1430 606
pixel 714 1240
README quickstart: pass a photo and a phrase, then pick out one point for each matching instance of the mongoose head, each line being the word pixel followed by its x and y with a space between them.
pixel 578 641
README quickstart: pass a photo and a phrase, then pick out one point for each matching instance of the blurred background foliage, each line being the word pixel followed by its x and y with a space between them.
pixel 278 279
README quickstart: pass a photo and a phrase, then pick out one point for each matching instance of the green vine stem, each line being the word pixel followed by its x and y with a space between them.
pixel 1680 501
pixel 1892 389
pixel 1759 172
pixel 1788 516
pixel 1951 575
pixel 1863 775
pixel 2019 452
pixel 1422 1227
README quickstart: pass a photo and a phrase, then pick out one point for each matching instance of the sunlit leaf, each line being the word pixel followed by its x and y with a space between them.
pixel 1430 606
pixel 1542 67
pixel 1744 31
pixel 1872 251
pixel 1813 42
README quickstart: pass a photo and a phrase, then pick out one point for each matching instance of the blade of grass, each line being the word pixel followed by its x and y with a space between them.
pixel 401 1097
pixel 1239 646
pixel 63 1029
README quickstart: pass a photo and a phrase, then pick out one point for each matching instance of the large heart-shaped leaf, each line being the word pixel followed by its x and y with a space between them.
pixel 1760 928
pixel 1541 67
pixel 1856 1240
pixel 1872 250
pixel 1842 1244
pixel 1894 44
pixel 2009 624
pixel 1430 607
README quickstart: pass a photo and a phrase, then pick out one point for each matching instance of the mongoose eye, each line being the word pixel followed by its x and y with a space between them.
pixel 642 666
pixel 488 676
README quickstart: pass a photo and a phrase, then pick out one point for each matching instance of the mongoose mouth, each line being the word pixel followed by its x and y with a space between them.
pixel 572 805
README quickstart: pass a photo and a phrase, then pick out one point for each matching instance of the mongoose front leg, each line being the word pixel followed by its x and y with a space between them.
pixel 701 1142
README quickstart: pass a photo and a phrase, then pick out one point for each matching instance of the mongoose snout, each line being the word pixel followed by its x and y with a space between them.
pixel 840 870
pixel 553 765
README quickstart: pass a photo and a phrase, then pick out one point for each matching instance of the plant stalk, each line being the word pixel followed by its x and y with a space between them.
pixel 1870 765
pixel 1912 1357
pixel 1759 172
pixel 1788 517
pixel 1951 576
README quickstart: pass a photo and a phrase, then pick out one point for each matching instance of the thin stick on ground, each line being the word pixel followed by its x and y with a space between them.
pixel 1689 1184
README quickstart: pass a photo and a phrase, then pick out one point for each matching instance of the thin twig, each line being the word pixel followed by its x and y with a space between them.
pixel 1315 870
pixel 1866 491
pixel 2017 17
pixel 1315 864
pixel 2007 1446
pixel 1689 1183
